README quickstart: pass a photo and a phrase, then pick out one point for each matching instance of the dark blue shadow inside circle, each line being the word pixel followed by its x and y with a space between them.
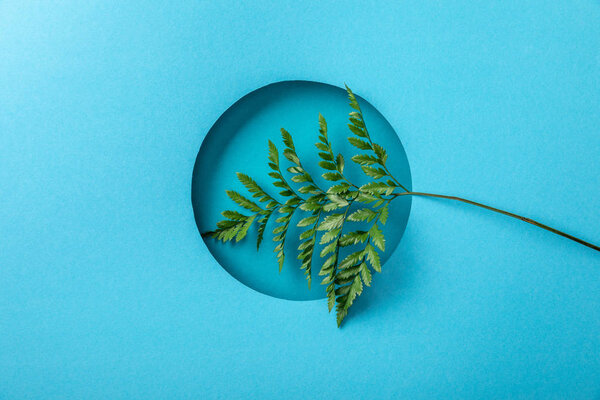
pixel 238 142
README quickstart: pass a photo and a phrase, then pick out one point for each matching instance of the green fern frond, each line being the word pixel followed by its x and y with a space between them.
pixel 307 247
pixel 346 278
pixel 328 211
pixel 280 233
pixel 353 270
pixel 236 227
pixel 358 127
pixel 262 226
pixel 256 190
pixel 243 201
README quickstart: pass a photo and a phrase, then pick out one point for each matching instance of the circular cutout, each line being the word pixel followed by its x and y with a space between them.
pixel 238 142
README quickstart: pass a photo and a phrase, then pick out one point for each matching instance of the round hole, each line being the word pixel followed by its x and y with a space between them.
pixel 238 142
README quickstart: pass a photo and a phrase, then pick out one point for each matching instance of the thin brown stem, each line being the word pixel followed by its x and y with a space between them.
pixel 394 179
pixel 525 219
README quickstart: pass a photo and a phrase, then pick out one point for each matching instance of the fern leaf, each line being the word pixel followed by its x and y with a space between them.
pixel 330 248
pixel 332 176
pixel 339 188
pixel 331 296
pixel 364 214
pixel 331 222
pixel 234 215
pixel 329 236
pixel 365 274
pixel 383 214
pixel 352 98
pixel 377 237
pixel 326 156
pixel 358 131
pixel 365 159
pixel 374 173
pixel 353 238
pixel 254 188
pixel 340 163
pixel 287 139
pixel 351 259
pixel 243 231
pixel 377 188
pixel 322 125
pixel 373 257
pixel 281 232
pixel 262 225
pixel 327 165
pixel 359 143
pixel 307 221
pixel 380 153
pixel 346 300
pixel 243 202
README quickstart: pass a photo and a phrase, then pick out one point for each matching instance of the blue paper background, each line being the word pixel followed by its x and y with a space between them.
pixel 107 291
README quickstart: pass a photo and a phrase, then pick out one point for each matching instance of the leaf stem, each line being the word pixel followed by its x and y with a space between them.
pixel 350 183
pixel 520 217
pixel 394 179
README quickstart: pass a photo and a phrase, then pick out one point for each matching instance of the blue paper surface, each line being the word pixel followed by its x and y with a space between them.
pixel 107 290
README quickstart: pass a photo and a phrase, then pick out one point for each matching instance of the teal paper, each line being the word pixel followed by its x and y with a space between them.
pixel 108 292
